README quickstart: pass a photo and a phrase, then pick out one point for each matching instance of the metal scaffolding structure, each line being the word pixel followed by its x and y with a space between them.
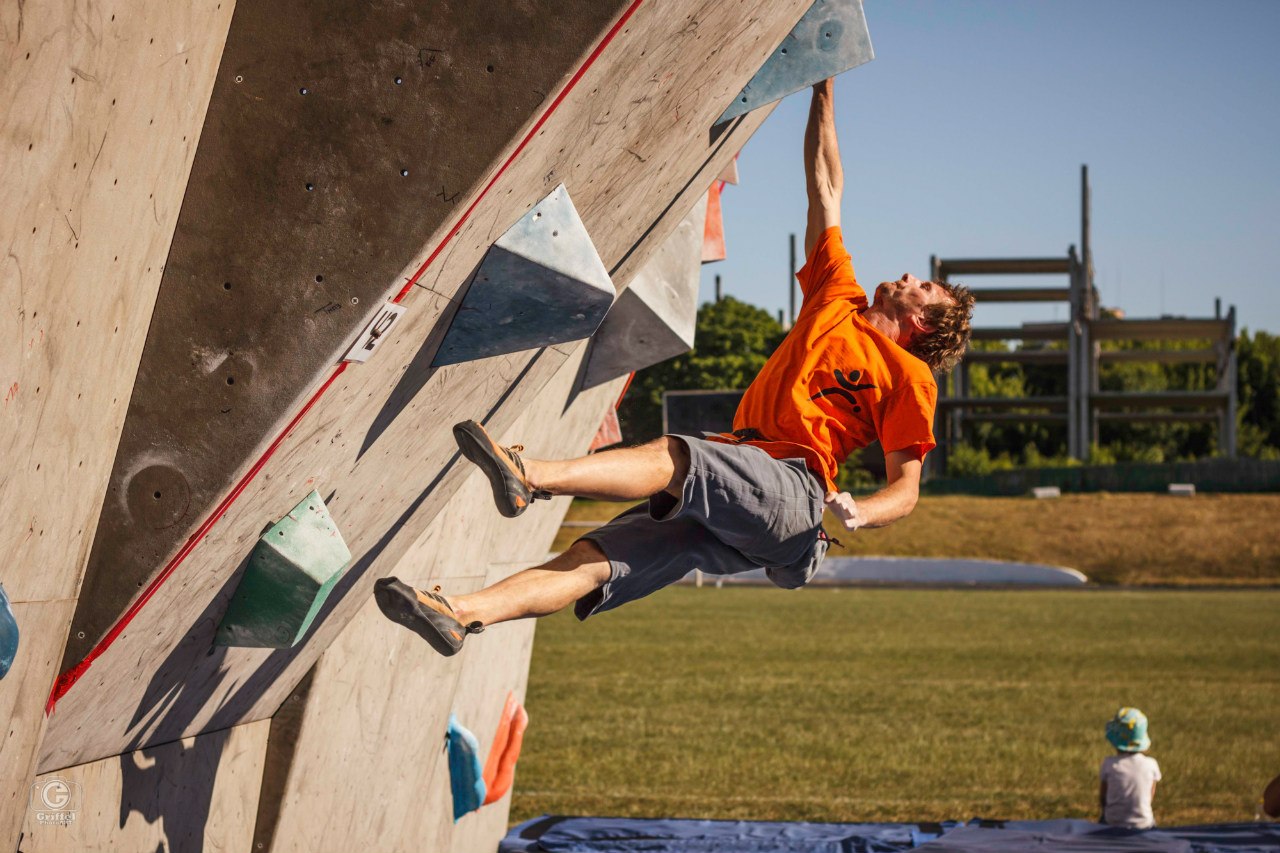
pixel 1085 404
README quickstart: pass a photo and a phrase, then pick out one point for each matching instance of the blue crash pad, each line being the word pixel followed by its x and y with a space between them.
pixel 555 834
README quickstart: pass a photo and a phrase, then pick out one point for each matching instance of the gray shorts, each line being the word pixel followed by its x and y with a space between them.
pixel 740 509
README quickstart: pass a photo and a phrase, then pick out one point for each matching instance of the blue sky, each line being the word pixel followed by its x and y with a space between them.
pixel 965 137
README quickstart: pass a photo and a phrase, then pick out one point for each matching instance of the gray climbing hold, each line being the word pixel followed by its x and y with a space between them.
pixel 291 572
pixel 654 318
pixel 830 39
pixel 541 283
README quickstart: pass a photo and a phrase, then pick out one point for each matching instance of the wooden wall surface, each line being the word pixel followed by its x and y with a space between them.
pixel 197 794
pixel 99 164
pixel 377 702
pixel 632 144
pixel 101 106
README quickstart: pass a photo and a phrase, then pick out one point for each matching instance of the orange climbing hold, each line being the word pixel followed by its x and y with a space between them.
pixel 713 231
pixel 500 768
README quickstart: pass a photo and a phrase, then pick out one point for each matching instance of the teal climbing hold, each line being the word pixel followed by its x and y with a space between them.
pixel 466 776
pixel 542 283
pixel 291 572
pixel 8 633
pixel 830 39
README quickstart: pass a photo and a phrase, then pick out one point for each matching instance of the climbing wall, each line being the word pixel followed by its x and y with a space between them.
pixel 375 668
pixel 375 441
pixel 308 210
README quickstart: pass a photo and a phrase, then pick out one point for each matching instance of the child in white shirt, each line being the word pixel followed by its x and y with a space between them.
pixel 1128 778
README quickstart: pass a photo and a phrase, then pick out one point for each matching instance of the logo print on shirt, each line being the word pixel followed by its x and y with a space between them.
pixel 846 387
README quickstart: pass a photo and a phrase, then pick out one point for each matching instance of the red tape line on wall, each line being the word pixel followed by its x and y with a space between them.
pixel 67 679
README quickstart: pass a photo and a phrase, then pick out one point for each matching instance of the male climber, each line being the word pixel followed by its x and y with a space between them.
pixel 846 374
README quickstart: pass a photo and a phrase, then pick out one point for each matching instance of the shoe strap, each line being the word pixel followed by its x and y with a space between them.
pixel 514 452
pixel 472 628
pixel 435 595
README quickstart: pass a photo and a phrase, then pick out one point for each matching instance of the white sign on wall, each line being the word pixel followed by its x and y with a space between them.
pixel 374 333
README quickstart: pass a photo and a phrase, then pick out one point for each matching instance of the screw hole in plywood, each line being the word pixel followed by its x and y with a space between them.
pixel 231 380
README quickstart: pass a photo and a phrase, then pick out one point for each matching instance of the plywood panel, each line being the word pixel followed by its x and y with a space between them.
pixel 43 627
pixel 387 682
pixel 654 95
pixel 340 135
pixel 492 671
pixel 101 105
pixel 200 793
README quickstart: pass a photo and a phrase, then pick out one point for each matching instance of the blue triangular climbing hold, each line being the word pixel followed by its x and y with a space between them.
pixel 542 283
pixel 830 39
pixel 466 776
pixel 8 634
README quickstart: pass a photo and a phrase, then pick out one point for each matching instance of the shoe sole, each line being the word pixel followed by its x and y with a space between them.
pixel 481 451
pixel 399 603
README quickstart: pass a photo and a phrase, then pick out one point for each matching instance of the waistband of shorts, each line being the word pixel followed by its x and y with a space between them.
pixel 752 434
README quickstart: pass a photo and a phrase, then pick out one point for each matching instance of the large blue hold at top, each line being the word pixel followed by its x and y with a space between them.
pixel 830 39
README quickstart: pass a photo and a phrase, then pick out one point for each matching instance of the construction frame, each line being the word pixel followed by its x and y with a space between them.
pixel 1085 406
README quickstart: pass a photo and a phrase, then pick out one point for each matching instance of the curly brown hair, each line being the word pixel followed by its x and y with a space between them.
pixel 942 348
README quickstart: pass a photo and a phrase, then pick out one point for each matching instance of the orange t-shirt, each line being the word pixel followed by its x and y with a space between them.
pixel 836 384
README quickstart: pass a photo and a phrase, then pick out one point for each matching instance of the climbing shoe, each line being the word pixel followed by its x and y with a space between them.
pixel 511 490
pixel 427 614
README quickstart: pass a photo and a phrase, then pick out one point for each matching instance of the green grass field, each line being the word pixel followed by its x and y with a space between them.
pixel 866 704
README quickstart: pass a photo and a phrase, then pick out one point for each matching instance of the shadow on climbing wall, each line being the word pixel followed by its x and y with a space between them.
pixel 173 784
pixel 413 380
